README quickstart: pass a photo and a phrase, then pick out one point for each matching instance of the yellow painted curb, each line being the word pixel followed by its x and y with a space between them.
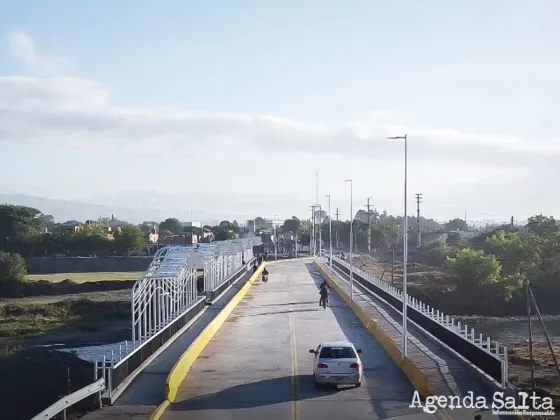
pixel 181 368
pixel 158 412
pixel 413 372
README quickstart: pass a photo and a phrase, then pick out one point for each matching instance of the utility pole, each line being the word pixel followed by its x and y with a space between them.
pixel 529 307
pixel 418 201
pixel 337 214
pixel 369 214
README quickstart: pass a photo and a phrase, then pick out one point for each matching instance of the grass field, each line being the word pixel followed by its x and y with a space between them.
pixel 86 277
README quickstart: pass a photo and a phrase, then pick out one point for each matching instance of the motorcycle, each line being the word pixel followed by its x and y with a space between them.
pixel 324 302
pixel 265 278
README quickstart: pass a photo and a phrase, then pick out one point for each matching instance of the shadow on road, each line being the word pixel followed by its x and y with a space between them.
pixel 257 394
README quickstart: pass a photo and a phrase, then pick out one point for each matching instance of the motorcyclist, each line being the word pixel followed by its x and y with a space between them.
pixel 265 275
pixel 323 292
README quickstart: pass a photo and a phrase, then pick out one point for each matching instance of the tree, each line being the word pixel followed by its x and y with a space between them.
pixel 164 233
pixel 473 269
pixel 17 224
pixel 173 225
pixel 12 269
pixel 509 249
pixel 543 226
pixel 454 239
pixel 236 227
pixel 226 225
pixel 221 234
pixel 148 226
pixel 457 224
pixel 434 254
pixel 291 225
pixel 112 221
pixel 93 229
pixel 260 223
pixel 130 238
pixel 192 230
pixel 88 242
pixel 46 222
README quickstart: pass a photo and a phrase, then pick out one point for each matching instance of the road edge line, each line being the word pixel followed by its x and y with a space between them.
pixel 180 369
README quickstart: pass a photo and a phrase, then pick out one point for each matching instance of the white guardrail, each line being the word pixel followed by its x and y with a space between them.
pixel 69 400
pixel 485 343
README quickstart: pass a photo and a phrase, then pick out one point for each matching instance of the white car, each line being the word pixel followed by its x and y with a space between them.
pixel 337 363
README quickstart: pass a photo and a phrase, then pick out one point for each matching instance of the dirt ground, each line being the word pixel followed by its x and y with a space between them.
pixel 418 274
pixel 86 277
pixel 72 314
pixel 547 379
pixel 65 310
pixel 60 374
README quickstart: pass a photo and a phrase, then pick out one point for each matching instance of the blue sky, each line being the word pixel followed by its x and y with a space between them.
pixel 479 76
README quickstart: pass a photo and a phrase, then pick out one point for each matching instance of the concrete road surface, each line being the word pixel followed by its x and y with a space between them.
pixel 258 366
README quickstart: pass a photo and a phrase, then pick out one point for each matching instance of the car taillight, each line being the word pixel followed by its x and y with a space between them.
pixel 354 366
pixel 322 366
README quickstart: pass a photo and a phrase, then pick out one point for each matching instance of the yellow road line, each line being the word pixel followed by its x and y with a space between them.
pixel 294 361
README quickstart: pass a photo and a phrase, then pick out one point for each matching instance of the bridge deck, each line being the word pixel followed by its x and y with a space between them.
pixel 258 365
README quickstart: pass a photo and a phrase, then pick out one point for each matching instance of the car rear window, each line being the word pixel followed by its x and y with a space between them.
pixel 337 353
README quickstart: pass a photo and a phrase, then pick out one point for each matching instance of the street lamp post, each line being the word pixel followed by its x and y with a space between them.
pixel 351 242
pixel 320 225
pixel 405 249
pixel 275 244
pixel 330 232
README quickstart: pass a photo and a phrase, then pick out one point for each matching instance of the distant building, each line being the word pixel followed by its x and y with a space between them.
pixel 111 231
pixel 207 236
pixel 180 240
pixel 270 223
pixel 153 237
pixel 68 228
pixel 251 225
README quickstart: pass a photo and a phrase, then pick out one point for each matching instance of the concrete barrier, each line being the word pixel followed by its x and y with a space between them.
pixel 414 374
pixel 182 366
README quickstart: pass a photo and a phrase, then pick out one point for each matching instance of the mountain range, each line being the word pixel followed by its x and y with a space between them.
pixel 64 210
pixel 152 207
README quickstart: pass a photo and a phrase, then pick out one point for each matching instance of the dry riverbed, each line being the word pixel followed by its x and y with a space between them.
pixel 64 310
pixel 512 331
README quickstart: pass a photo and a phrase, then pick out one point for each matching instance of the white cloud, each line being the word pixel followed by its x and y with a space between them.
pixel 79 113
pixel 82 109
pixel 21 46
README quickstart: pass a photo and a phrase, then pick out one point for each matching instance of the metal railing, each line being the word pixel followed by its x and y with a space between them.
pixel 116 367
pixel 166 298
pixel 64 403
pixel 228 259
pixel 168 288
pixel 465 335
